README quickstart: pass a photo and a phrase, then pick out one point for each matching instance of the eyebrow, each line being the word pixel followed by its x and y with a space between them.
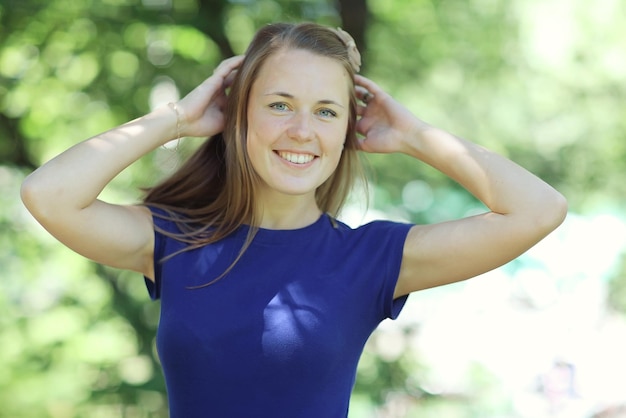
pixel 291 96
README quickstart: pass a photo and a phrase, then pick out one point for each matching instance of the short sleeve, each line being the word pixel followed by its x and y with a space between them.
pixel 377 254
pixel 396 234
pixel 154 287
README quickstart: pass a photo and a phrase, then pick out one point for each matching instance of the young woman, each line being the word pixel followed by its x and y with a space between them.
pixel 267 299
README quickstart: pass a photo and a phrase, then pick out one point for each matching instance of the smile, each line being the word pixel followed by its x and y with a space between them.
pixel 295 158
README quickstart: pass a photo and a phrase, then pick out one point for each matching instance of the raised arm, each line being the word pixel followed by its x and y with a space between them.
pixel 63 193
pixel 523 209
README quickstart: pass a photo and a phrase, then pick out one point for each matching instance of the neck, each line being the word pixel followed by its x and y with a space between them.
pixel 288 212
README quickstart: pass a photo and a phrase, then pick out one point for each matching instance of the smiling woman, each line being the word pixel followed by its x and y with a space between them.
pixel 266 299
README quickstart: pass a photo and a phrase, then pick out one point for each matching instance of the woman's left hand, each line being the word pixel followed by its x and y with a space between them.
pixel 384 123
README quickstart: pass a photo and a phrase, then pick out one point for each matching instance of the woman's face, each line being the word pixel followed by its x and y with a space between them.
pixel 298 112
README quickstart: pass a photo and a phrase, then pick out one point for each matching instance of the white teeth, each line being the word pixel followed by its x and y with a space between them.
pixel 296 158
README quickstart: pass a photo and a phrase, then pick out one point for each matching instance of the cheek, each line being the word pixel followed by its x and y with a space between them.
pixel 253 145
pixel 257 134
pixel 253 149
pixel 336 140
pixel 255 162
pixel 263 129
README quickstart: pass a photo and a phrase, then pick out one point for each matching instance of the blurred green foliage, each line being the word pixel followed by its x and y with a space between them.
pixel 539 81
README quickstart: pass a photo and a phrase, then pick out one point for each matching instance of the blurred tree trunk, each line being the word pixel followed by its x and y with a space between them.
pixel 210 20
pixel 13 147
pixel 354 17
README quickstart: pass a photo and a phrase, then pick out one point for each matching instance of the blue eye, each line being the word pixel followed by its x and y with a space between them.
pixel 281 107
pixel 327 113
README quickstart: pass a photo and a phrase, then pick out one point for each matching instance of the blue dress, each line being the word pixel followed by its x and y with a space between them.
pixel 281 334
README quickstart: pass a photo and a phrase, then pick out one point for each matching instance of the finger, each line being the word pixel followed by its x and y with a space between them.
pixel 228 65
pixel 367 84
pixel 220 101
pixel 227 70
pixel 363 94
pixel 228 81
pixel 222 76
pixel 363 126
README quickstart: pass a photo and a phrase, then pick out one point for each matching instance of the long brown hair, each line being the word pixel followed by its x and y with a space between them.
pixel 214 192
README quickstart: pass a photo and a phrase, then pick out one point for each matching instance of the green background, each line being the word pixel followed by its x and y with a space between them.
pixel 540 81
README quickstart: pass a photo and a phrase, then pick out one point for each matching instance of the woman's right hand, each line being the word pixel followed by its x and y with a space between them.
pixel 201 111
pixel 63 193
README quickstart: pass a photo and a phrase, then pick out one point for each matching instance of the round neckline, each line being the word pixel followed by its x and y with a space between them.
pixel 285 236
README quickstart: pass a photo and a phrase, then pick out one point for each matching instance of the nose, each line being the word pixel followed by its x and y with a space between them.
pixel 300 127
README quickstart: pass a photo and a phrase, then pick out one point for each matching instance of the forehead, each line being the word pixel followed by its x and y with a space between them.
pixel 300 71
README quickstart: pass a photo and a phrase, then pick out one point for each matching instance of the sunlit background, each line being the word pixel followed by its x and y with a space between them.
pixel 541 81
